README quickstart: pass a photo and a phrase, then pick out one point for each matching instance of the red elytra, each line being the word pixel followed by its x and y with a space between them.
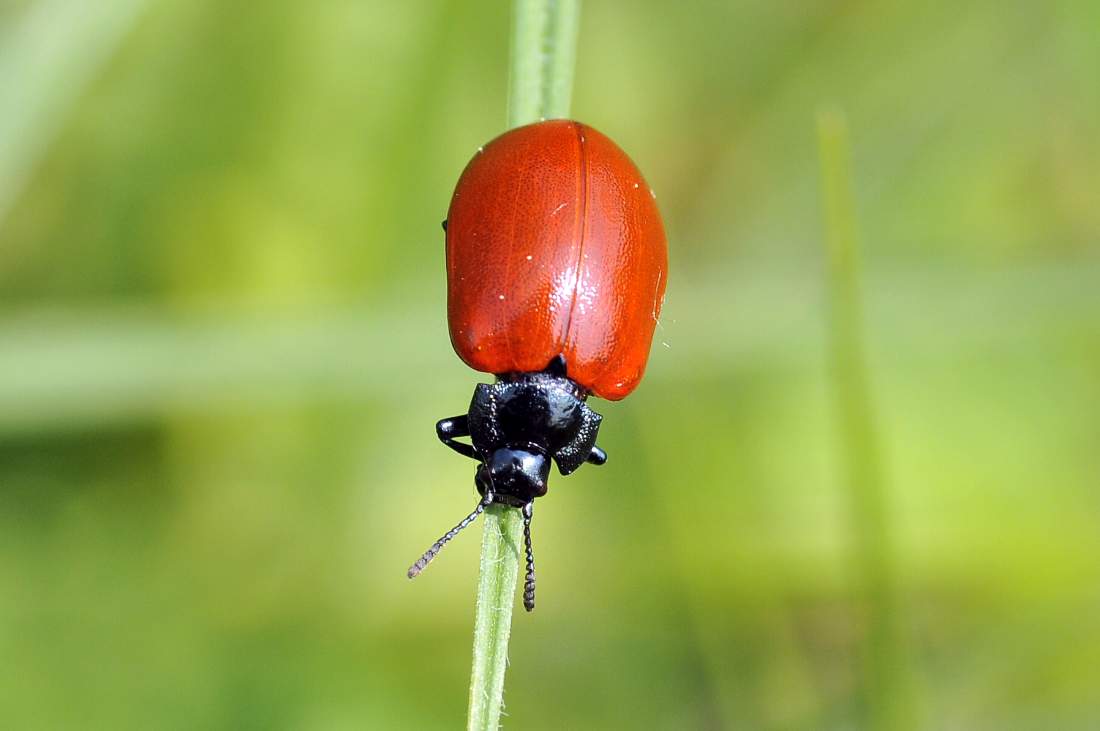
pixel 555 247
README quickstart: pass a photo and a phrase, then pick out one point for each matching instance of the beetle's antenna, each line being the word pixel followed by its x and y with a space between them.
pixel 426 559
pixel 529 579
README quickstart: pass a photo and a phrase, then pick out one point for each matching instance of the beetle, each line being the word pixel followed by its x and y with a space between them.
pixel 556 274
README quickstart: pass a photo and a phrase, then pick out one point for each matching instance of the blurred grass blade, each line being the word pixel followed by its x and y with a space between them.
pixel 47 59
pixel 64 370
pixel 886 674
pixel 543 50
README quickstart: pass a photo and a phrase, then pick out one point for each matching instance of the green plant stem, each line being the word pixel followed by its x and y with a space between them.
pixel 544 50
pixel 544 45
pixel 496 592
pixel 887 698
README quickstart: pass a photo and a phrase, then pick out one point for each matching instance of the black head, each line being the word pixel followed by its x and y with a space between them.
pixel 513 476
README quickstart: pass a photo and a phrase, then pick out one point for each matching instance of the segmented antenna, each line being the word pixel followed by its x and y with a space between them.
pixel 529 580
pixel 426 559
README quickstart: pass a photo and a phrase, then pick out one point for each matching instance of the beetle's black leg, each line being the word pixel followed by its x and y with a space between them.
pixel 449 429
pixel 529 580
pixel 444 224
pixel 596 456
pixel 426 559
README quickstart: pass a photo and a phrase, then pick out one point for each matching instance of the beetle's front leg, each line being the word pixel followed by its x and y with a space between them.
pixel 457 426
pixel 597 456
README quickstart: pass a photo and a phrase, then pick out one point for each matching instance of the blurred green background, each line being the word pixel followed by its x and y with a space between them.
pixel 223 348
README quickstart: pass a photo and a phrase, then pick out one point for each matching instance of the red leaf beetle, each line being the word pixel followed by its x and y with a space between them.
pixel 556 272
